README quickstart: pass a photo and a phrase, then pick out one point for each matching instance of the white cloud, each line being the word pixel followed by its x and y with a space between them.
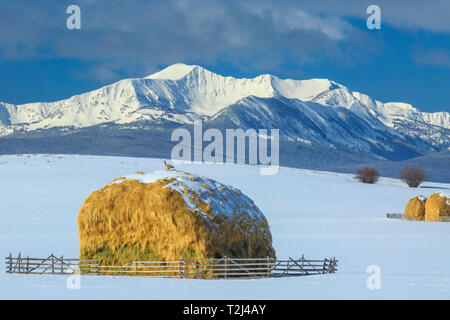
pixel 434 57
pixel 138 36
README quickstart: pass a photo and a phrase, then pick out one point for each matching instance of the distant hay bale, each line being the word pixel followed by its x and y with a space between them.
pixel 437 207
pixel 415 209
pixel 168 216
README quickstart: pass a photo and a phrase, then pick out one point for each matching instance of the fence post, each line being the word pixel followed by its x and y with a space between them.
pixel 303 263
pixel 268 267
pixel 181 269
pixel 28 264
pixel 97 267
pixel 62 263
pixel 333 265
pixel 136 266
pixel 10 263
pixel 53 263
pixel 19 261
pixel 226 267
pixel 287 268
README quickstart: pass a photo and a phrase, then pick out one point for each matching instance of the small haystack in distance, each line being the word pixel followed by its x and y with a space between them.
pixel 415 209
pixel 437 207
pixel 168 216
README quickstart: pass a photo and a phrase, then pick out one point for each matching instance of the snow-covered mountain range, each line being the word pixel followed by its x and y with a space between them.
pixel 307 111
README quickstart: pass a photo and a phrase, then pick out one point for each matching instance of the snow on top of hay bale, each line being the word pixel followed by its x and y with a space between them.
pixel 420 197
pixel 443 194
pixel 221 199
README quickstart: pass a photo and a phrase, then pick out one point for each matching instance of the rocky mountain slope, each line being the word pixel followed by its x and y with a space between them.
pixel 309 112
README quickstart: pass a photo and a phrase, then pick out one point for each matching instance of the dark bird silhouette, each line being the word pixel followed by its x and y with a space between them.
pixel 168 166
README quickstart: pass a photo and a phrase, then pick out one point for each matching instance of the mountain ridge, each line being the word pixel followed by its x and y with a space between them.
pixel 262 86
pixel 314 110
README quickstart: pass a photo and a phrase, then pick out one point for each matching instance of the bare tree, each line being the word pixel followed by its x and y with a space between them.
pixel 367 175
pixel 413 176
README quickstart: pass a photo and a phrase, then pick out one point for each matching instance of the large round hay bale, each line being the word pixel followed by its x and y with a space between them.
pixel 415 209
pixel 168 216
pixel 437 207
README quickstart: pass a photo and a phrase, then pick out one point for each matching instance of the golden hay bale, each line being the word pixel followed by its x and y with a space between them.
pixel 168 216
pixel 437 207
pixel 415 209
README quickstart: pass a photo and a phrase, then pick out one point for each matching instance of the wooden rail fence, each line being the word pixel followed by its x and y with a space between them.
pixel 399 216
pixel 192 268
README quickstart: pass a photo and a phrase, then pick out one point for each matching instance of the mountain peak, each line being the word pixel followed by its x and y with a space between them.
pixel 183 93
pixel 173 72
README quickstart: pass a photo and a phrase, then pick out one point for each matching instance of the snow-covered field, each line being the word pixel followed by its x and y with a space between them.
pixel 319 214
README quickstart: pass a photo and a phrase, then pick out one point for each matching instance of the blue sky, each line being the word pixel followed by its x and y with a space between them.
pixel 407 60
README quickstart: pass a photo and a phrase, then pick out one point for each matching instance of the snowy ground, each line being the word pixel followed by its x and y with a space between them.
pixel 318 214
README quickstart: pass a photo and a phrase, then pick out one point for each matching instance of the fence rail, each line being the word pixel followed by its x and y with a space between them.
pixel 193 268
pixel 401 216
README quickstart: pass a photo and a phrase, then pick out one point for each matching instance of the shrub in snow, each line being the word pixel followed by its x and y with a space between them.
pixel 415 209
pixel 367 175
pixel 413 176
pixel 437 207
pixel 168 216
